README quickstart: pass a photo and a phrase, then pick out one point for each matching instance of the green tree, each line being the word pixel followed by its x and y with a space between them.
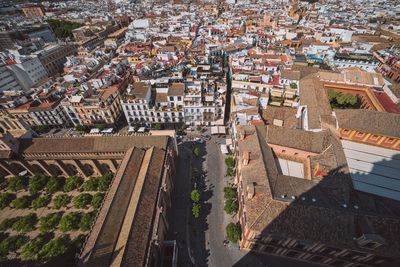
pixel 231 206
pixel 158 126
pixel 7 223
pixel 230 171
pixel 293 85
pixel 12 243
pixel 230 162
pixel 72 183
pixel 196 210
pixel 101 127
pixel 30 251
pixel 61 201
pixel 41 202
pixel 63 28
pixel 55 184
pixel 37 183
pixel 229 193
pixel 82 201
pixel 40 129
pixel 233 232
pixel 97 200
pixel 54 248
pixel 86 221
pixel 49 222
pixel 196 152
pixel 79 128
pixel 105 181
pixel 195 195
pixel 5 199
pixel 25 224
pixel 17 183
pixel 22 202
pixel 343 100
pixel 91 184
pixel 70 221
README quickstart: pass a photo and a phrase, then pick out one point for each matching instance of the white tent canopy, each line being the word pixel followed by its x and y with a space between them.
pixel 218 130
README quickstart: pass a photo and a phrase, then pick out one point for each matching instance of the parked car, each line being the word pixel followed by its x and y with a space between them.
pixel 199 140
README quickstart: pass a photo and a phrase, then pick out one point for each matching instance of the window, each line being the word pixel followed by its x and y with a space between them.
pixel 374 137
pixel 300 245
pixel 293 254
pixel 358 134
pixel 317 258
pixel 338 263
pixel 390 140
pixel 269 249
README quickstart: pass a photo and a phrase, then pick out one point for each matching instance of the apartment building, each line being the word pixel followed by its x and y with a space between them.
pixel 26 71
pixel 54 56
pixel 47 110
pixel 168 103
pixel 33 10
pixel 137 103
pixel 204 103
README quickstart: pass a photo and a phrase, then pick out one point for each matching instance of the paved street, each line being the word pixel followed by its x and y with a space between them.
pixel 206 234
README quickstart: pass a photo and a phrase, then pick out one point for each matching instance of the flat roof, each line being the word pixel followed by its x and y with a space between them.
pixel 290 168
pixel 373 169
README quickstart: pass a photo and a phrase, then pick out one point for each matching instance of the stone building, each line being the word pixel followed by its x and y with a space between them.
pixel 54 56
pixel 33 10
pixel 132 222
pixel 296 200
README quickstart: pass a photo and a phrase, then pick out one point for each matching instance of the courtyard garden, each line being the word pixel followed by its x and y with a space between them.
pixel 43 219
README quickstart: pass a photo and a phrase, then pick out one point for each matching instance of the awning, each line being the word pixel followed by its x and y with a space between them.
pixel 218 130
pixel 224 149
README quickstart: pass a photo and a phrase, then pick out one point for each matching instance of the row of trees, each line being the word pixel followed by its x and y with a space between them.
pixel 81 201
pixel 230 165
pixel 68 222
pixel 39 249
pixel 231 205
pixel 40 182
pixel 195 196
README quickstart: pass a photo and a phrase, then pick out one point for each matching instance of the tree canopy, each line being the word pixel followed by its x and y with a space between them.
pixel 17 183
pixel 97 200
pixel 105 181
pixel 72 183
pixel 54 248
pixel 61 201
pixel 233 232
pixel 70 221
pixel 82 201
pixel 63 28
pixel 49 222
pixel 41 202
pixel 54 184
pixel 25 224
pixel 37 183
pixel 5 199
pixel 343 100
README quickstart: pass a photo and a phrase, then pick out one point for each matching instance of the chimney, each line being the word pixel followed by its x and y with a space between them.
pixel 250 191
pixel 246 158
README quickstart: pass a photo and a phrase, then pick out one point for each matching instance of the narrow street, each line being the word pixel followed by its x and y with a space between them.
pixel 200 240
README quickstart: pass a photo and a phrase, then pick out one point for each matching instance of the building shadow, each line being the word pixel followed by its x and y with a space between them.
pixel 319 222
pixel 189 232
